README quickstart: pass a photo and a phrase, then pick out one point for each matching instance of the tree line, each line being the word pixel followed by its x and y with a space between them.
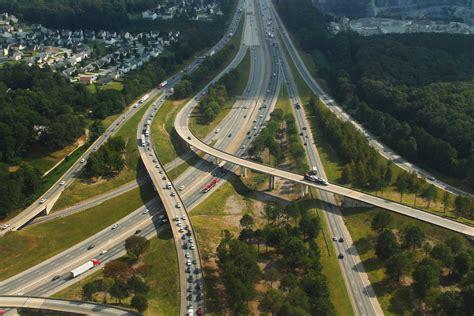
pixel 406 254
pixel 280 136
pixel 289 239
pixel 122 278
pixel 414 91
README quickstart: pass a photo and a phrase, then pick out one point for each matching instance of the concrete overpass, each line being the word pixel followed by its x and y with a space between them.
pixel 61 305
pixel 181 125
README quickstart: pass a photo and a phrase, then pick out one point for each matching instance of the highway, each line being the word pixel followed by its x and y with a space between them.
pixel 330 103
pixel 69 306
pixel 361 293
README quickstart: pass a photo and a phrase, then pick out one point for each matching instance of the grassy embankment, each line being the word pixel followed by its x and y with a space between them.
pixel 25 248
pixel 82 188
pixel 161 275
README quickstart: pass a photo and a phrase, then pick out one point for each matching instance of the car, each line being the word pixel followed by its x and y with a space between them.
pixel 172 194
pixel 305 144
pixel 431 178
pixel 20 293
pixel 245 116
pixel 103 252
pixel 145 211
pixel 185 246
pixel 243 147
pixel 230 135
pixel 341 256
pixel 90 247
pixel 188 263
pixel 181 187
pixel 160 172
pixel 194 261
pixel 115 226
pixel 178 205
pixel 189 137
pixel 191 240
pixel 183 237
pixel 190 289
pixel 187 270
pixel 178 224
pixel 5 226
pixel 187 255
pixel 190 280
pixel 55 278
pixel 181 230
pixel 138 231
pixel 192 247
pixel 164 220
pixel 304 128
pixel 154 160
pixel 164 178
pixel 199 311
pixel 255 127
pixel 62 182
pixel 176 218
pixel 42 201
pixel 183 217
pixel 334 238
pixel 83 160
pixel 341 239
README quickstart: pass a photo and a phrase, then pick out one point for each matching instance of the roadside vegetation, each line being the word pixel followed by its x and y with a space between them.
pixel 32 245
pixel 413 266
pixel 149 273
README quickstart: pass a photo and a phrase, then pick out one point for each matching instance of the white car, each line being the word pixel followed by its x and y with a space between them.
pixel 42 201
pixel 161 216
pixel 145 211
pixel 83 160
pixel 62 182
pixel 5 226
pixel 181 188
pixel 103 252
pixel 20 293
pixel 183 217
pixel 187 255
pixel 114 226
pixel 178 205
pixel 188 263
pixel 192 247
pixel 176 218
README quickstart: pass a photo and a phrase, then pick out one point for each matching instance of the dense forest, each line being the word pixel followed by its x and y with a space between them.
pixel 414 91
pixel 88 14
pixel 295 284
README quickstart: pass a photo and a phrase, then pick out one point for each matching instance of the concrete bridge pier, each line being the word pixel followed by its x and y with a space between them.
pixel 243 172
pixel 304 189
pixel 218 161
pixel 271 183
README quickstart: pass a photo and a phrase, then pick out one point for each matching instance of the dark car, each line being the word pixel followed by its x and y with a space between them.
pixel 164 178
pixel 55 277
pixel 341 239
pixel 341 256
pixel 90 247
pixel 138 231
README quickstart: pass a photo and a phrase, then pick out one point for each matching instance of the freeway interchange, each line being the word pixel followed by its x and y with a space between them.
pixel 269 69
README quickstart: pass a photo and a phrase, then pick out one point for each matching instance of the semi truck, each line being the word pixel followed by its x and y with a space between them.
pixel 163 84
pixel 143 141
pixel 84 267
pixel 313 178
pixel 145 97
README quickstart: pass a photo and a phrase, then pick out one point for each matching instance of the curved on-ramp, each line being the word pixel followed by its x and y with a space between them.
pixel 181 126
pixel 62 305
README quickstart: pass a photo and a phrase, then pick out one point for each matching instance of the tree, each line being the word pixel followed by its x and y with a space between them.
pixel 271 275
pixel 294 252
pixel 402 185
pixel 89 289
pixel 272 301
pixel 136 245
pixel 442 253
pixel 106 286
pixel 137 285
pixel 467 294
pixel 139 302
pixel 399 264
pixel 451 303
pixel 462 264
pixel 119 290
pixel 310 226
pixel 387 245
pixel 430 194
pixel 117 269
pixel 463 205
pixel 413 236
pixel 347 174
pixel 388 173
pixel 246 221
pixel 456 244
pixel 381 221
pixel 259 237
pixel 425 276
pixel 276 237
pixel 447 200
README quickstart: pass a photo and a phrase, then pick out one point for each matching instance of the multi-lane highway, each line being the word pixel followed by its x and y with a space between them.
pixel 383 149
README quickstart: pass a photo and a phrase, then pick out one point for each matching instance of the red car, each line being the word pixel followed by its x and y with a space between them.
pixel 199 311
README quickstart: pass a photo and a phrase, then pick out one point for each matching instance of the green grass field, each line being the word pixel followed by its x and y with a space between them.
pixel 82 189
pixel 112 86
pixel 23 249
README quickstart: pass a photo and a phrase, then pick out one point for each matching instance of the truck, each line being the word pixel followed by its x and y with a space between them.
pixel 212 53
pixel 210 185
pixel 163 84
pixel 314 171
pixel 84 267
pixel 142 100
pixel 316 179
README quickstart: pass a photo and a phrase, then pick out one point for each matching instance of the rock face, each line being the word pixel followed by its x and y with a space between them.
pixel 439 9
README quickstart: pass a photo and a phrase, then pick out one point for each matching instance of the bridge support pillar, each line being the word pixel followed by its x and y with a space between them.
pixel 271 183
pixel 304 189
pixel 218 161
pixel 243 172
